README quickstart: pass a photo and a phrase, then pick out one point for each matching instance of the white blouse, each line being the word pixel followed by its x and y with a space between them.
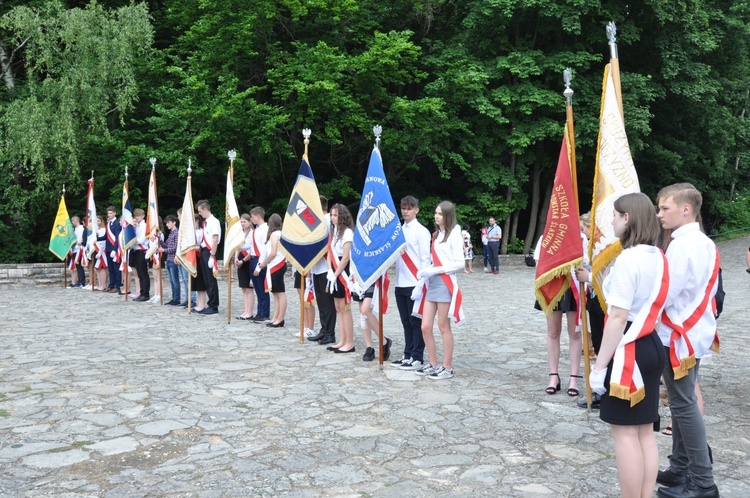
pixel 451 252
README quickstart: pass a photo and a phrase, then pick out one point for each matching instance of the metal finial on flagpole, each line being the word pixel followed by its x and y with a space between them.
pixel 190 168
pixel 612 37
pixel 377 130
pixel 568 92
pixel 306 133
pixel 63 189
pixel 126 173
pixel 153 163
pixel 232 154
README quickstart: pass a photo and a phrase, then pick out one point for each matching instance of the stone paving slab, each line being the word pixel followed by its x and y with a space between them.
pixel 105 398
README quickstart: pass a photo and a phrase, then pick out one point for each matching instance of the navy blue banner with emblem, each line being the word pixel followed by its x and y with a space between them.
pixel 378 238
pixel 304 236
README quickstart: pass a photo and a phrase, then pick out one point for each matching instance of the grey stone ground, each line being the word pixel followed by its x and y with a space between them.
pixel 101 397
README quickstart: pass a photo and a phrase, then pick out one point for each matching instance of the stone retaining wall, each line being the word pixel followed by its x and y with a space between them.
pixel 52 273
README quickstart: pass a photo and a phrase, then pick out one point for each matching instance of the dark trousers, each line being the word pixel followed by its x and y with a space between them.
pixel 263 297
pixel 212 287
pixel 413 340
pixel 81 271
pixel 115 275
pixel 326 307
pixel 596 322
pixel 689 446
pixel 492 249
pixel 141 266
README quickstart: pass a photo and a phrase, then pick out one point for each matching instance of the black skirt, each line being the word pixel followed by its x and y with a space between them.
pixel 649 353
pixel 566 303
pixel 277 280
pixel 197 283
pixel 243 275
pixel 340 291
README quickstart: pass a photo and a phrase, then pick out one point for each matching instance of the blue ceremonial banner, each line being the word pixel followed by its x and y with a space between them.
pixel 304 236
pixel 378 239
pixel 128 231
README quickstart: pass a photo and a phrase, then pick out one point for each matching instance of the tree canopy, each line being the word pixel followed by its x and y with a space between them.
pixel 469 95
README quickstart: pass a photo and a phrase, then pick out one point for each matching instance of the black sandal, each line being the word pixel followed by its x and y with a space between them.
pixel 553 389
pixel 572 391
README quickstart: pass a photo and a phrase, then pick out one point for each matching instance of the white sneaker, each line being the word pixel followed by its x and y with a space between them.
pixel 398 363
pixel 441 373
pixel 486 270
pixel 155 299
pixel 426 370
pixel 411 364
pixel 310 333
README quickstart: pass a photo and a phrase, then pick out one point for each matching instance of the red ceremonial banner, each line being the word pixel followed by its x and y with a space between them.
pixel 561 245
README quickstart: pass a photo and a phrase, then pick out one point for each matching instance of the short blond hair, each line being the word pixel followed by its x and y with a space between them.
pixel 683 193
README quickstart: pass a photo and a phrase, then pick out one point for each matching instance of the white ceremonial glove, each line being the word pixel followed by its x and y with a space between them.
pixel 416 294
pixel 355 288
pixel 211 263
pixel 428 272
pixel 113 255
pixel 330 276
pixel 596 379
pixel 309 281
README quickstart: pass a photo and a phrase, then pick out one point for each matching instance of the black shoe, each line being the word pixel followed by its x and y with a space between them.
pixel 668 478
pixel 275 325
pixel 347 351
pixel 387 349
pixel 172 303
pixel 317 337
pixel 595 400
pixel 209 311
pixel 260 319
pixel 140 299
pixel 689 490
pixel 328 339
pixel 369 355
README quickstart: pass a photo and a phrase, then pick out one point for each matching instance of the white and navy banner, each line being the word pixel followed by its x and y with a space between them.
pixel 378 238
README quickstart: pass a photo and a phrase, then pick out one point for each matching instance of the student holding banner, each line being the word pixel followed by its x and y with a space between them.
pixel 275 265
pixel 440 295
pixel 339 247
pixel 416 255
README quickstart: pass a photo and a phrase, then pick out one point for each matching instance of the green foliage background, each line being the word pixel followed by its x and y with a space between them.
pixel 468 94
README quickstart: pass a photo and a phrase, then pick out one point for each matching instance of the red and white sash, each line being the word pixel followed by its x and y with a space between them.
pixel 456 310
pixel 207 242
pixel 110 235
pixel 626 381
pixel 309 295
pixel 270 270
pixel 343 277
pixel 72 257
pixel 386 281
pixel 412 267
pixel 681 351
pixel 100 261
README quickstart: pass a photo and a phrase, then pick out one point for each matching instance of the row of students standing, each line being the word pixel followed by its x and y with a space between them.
pixel 425 289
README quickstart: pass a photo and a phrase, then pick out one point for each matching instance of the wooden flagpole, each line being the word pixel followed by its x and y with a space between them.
pixel 93 229
pixel 232 154
pixel 380 320
pixel 303 281
pixel 302 289
pixel 67 256
pixel 568 93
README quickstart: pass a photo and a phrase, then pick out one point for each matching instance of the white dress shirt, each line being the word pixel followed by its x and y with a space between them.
pixel 418 248
pixel 690 256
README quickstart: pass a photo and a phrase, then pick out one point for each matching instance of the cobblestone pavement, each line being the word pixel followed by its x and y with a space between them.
pixel 102 397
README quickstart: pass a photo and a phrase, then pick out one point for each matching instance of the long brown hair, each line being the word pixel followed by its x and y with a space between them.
pixel 345 219
pixel 449 219
pixel 643 225
pixel 274 224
